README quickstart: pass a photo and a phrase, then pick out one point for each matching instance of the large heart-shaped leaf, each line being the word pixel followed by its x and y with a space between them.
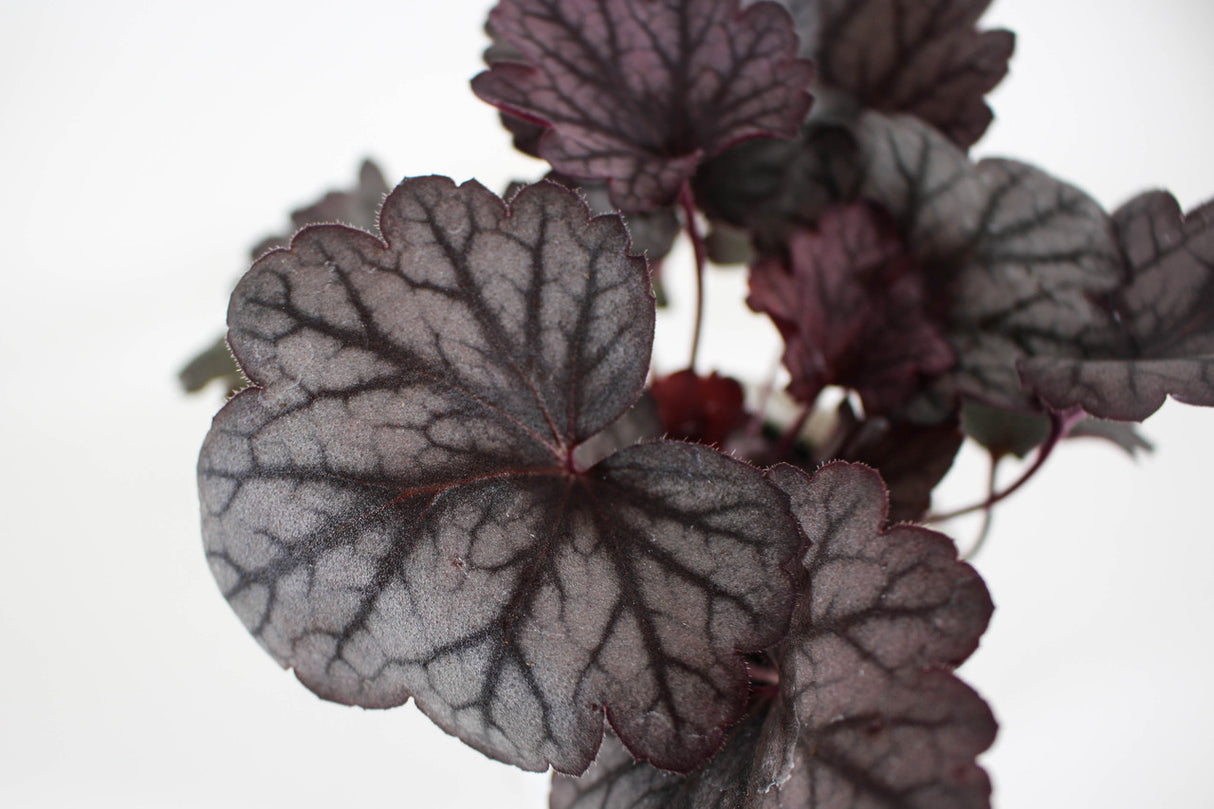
pixel 638 92
pixel 396 509
pixel 868 714
pixel 1155 336
pixel 922 57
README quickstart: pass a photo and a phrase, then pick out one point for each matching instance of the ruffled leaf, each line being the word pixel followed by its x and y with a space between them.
pixel 1154 335
pixel 396 509
pixel 638 92
pixel 358 207
pixel 850 305
pixel 868 714
pixel 772 188
pixel 922 57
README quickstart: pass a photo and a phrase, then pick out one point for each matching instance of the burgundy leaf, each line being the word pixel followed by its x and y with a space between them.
pixel 922 57
pixel 868 714
pixel 705 409
pixel 850 306
pixel 1017 263
pixel 1155 335
pixel 638 92
pixel 395 509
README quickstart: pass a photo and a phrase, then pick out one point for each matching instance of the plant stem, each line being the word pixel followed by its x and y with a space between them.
pixel 1061 423
pixel 687 202
pixel 987 512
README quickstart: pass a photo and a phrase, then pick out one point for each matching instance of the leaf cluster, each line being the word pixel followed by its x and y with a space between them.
pixel 455 479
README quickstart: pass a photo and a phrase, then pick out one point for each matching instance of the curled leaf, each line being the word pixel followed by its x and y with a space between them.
pixel 639 92
pixel 395 509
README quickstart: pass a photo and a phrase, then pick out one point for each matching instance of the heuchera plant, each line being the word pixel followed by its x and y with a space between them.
pixel 453 478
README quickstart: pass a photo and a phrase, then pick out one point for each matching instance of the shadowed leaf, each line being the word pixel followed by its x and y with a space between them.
pixel 395 508
pixel 921 57
pixel 638 92
pixel 912 458
pixel 1154 336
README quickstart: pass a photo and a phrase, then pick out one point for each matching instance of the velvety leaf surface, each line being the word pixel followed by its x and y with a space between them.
pixel 1017 259
pixel 868 714
pixel 921 57
pixel 395 509
pixel 638 92
pixel 850 305
pixel 1155 333
pixel 358 207
pixel 1017 263
pixel 652 232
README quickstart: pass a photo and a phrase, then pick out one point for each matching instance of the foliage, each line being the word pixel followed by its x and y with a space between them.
pixel 453 480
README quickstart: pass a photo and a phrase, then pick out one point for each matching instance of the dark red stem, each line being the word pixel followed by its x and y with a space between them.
pixel 1061 423
pixel 688 204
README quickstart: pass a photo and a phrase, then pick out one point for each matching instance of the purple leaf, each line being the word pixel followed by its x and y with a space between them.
pixel 1017 259
pixel 616 781
pixel 922 57
pixel 1154 336
pixel 396 510
pixel 652 233
pixel 638 92
pixel 850 305
pixel 868 714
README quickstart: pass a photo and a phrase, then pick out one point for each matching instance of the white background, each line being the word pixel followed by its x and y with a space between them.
pixel 145 146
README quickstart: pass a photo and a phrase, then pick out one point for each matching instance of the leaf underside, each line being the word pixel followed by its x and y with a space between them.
pixel 395 510
pixel 638 92
pixel 868 714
